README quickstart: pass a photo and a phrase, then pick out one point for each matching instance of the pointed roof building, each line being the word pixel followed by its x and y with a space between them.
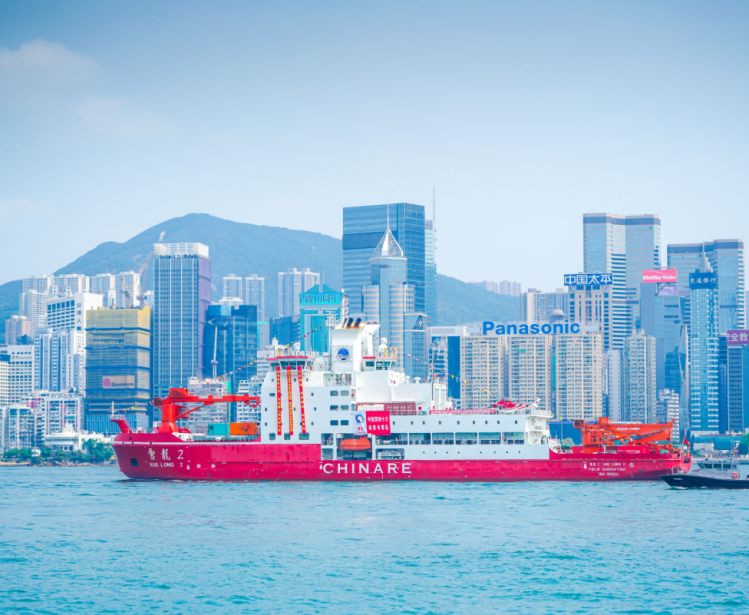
pixel 388 246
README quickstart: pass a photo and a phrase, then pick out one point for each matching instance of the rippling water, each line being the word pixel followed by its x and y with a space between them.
pixel 76 540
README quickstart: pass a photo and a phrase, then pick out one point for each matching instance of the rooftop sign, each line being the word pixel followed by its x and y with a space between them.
pixel 738 337
pixel 659 276
pixel 320 298
pixel 707 279
pixel 535 329
pixel 588 279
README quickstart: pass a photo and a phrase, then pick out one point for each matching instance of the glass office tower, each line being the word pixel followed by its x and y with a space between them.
pixel 704 381
pixel 231 337
pixel 623 246
pixel 430 269
pixel 726 258
pixel 182 294
pixel 363 228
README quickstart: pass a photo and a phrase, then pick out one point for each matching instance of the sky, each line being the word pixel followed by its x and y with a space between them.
pixel 520 116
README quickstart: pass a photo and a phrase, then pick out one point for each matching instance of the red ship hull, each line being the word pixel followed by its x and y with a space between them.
pixel 166 457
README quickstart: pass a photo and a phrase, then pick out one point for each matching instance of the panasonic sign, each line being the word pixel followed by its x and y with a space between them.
pixel 535 329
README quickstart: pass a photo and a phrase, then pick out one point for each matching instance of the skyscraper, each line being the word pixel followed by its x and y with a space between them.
pixel 578 376
pixel 362 230
pixel 182 294
pixel 233 287
pixel 430 270
pixel 255 294
pixel 624 246
pixel 127 289
pixel 118 367
pixel 726 258
pixel 231 337
pixel 703 346
pixel 738 381
pixel 16 328
pixel 415 346
pixel 20 366
pixel 639 378
pixel 388 297
pixel 482 370
pixel 290 285
pixel 60 360
pixel 316 306
pixel 529 369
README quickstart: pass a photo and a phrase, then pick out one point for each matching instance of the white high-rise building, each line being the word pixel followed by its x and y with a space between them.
pixel 70 284
pixel 127 287
pixel 57 409
pixel 482 370
pixel 529 369
pixel 233 287
pixel 612 384
pixel 232 301
pixel 18 427
pixel 255 294
pixel 579 386
pixel 103 284
pixel 15 328
pixel 19 362
pixel 199 420
pixel 669 410
pixel 60 360
pixel 70 312
pixel 290 285
pixel 38 283
pixel 639 378
pixel 33 305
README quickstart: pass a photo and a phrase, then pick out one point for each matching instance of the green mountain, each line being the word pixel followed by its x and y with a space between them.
pixel 243 249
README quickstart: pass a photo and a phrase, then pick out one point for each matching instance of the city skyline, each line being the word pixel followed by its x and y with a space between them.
pixel 500 108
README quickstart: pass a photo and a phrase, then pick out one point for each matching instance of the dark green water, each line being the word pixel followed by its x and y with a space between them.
pixel 82 540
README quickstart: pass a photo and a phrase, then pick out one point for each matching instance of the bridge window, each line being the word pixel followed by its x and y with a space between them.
pixel 344 407
pixel 334 422
pixel 419 438
pixel 443 438
pixel 393 438
pixel 344 422
pixel 344 393
pixel 391 453
pixel 466 438
pixel 334 407
pixel 334 393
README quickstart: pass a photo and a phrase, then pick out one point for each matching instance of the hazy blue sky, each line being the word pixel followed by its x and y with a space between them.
pixel 524 115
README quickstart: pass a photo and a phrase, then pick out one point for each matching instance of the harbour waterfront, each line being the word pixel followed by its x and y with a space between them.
pixel 85 539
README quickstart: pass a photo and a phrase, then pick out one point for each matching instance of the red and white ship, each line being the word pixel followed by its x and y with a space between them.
pixel 351 416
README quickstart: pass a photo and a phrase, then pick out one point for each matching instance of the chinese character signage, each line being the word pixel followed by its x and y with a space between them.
pixel 738 337
pixel 659 276
pixel 588 279
pixel 320 299
pixel 703 280
pixel 378 422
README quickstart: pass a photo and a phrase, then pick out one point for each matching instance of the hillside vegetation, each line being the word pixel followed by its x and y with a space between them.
pixel 244 249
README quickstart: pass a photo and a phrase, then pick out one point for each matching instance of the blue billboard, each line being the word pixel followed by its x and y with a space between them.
pixel 525 329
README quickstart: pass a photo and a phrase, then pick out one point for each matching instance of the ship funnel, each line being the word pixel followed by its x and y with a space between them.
pixel 357 323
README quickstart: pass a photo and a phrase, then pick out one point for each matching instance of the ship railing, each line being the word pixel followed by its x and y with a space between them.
pixel 527 411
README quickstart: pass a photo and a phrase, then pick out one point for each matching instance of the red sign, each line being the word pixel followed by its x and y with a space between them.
pixel 659 276
pixel 378 422
pixel 738 337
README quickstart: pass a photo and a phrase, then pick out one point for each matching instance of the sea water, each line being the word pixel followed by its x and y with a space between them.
pixel 85 540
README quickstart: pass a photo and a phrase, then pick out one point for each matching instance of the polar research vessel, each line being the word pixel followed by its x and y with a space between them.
pixel 351 415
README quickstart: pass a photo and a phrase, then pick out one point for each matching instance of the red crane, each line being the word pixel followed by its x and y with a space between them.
pixel 173 406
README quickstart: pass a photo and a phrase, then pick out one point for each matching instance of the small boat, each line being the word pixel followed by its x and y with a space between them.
pixel 723 474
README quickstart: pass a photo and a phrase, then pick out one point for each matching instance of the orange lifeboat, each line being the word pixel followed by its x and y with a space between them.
pixel 356 444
